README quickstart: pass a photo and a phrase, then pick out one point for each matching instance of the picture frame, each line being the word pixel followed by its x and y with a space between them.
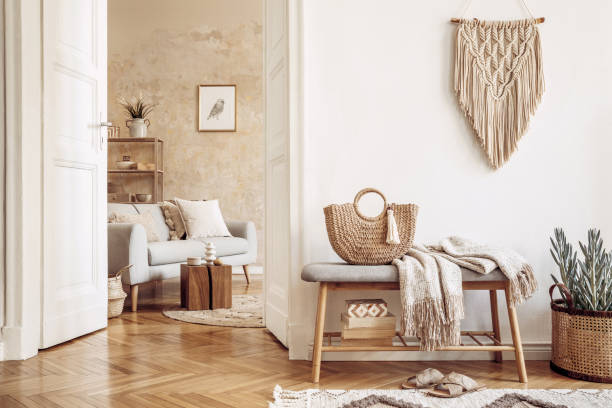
pixel 217 108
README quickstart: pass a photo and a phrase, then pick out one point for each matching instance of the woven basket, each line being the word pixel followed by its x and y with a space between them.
pixel 581 340
pixel 359 239
pixel 116 294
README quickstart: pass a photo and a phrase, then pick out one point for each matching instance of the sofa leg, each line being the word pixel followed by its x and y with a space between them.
pixel 245 268
pixel 134 297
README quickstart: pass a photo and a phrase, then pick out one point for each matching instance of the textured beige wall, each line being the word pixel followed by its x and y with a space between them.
pixel 163 49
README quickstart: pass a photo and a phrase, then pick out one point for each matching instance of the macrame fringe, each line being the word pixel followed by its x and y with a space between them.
pixel 523 285
pixel 392 233
pixel 499 122
pixel 429 322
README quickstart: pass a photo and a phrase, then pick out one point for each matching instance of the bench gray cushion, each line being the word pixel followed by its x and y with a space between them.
pixel 343 272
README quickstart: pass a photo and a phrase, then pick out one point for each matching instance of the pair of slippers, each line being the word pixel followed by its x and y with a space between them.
pixel 443 386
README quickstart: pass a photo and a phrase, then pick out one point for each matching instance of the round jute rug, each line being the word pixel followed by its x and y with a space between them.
pixel 246 311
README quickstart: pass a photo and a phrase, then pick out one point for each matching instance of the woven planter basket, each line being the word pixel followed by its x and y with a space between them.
pixel 361 240
pixel 581 340
pixel 116 294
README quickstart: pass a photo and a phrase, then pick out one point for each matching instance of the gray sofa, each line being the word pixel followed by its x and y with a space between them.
pixel 127 244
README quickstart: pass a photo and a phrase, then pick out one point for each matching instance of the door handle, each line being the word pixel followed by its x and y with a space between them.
pixel 103 133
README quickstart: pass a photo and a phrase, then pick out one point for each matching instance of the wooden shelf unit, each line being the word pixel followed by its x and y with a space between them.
pixel 158 160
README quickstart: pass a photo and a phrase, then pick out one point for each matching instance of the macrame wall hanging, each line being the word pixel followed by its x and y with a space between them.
pixel 499 80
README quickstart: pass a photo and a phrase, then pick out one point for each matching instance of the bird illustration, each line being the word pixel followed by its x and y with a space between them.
pixel 216 110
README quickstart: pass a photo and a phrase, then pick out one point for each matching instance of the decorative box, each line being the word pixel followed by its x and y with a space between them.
pixel 366 308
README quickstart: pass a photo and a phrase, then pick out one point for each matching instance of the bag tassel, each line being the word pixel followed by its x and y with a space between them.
pixel 392 233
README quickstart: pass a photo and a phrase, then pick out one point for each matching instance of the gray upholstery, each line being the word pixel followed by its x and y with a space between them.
pixel 163 232
pixel 121 208
pixel 127 244
pixel 161 253
pixel 226 246
pixel 343 272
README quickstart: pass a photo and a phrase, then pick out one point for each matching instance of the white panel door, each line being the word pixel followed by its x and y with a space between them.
pixel 74 230
pixel 278 261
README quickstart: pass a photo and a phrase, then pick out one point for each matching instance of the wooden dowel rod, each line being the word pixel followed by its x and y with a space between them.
pixel 476 333
pixel 538 20
pixel 494 339
pixel 475 339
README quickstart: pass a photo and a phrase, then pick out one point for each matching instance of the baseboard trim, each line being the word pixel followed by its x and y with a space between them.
pixel 531 351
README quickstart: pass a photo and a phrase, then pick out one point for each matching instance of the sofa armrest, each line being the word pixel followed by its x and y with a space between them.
pixel 127 244
pixel 246 230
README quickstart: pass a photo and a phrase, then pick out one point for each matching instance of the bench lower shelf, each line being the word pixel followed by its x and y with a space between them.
pixel 495 346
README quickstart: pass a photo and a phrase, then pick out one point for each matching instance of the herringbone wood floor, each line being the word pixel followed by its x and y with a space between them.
pixel 144 359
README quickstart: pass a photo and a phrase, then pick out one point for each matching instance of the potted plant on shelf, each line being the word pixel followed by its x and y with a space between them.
pixel 582 319
pixel 137 112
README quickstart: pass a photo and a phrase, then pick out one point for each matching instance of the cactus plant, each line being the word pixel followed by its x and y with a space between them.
pixel 589 280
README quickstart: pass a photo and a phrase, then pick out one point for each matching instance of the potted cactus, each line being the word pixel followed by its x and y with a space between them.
pixel 582 319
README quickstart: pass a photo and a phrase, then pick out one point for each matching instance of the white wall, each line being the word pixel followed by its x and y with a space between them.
pixel 379 111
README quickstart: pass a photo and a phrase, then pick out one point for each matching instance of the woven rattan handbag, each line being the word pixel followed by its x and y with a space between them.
pixel 581 340
pixel 363 240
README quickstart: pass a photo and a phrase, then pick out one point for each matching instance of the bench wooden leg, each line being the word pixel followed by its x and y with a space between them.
pixel 495 322
pixel 318 337
pixel 516 338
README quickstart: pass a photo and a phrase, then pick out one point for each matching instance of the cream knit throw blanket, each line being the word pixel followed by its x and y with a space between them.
pixel 430 286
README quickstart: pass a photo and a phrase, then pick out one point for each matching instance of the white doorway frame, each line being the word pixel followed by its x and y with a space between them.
pixel 283 163
pixel 23 178
pixel 20 322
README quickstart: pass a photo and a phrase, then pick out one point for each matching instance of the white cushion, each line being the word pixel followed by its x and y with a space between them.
pixel 202 219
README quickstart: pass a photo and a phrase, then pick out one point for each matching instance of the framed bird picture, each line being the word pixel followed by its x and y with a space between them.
pixel 217 108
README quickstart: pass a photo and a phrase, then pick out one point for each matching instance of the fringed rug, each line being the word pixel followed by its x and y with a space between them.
pixel 495 398
pixel 246 311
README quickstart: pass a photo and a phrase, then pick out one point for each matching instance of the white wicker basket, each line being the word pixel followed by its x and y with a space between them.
pixel 116 294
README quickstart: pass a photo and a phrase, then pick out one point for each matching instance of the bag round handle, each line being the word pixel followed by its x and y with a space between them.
pixel 361 194
pixel 562 288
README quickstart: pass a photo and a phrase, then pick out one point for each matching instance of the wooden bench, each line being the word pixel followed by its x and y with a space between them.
pixel 340 276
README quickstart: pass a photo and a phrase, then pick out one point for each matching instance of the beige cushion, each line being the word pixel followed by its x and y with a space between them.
pixel 202 219
pixel 173 220
pixel 145 219
pixel 163 232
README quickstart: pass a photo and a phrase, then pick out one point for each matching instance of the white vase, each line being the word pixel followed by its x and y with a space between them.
pixel 138 127
pixel 209 253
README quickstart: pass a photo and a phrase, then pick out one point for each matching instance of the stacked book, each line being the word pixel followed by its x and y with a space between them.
pixel 367 322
